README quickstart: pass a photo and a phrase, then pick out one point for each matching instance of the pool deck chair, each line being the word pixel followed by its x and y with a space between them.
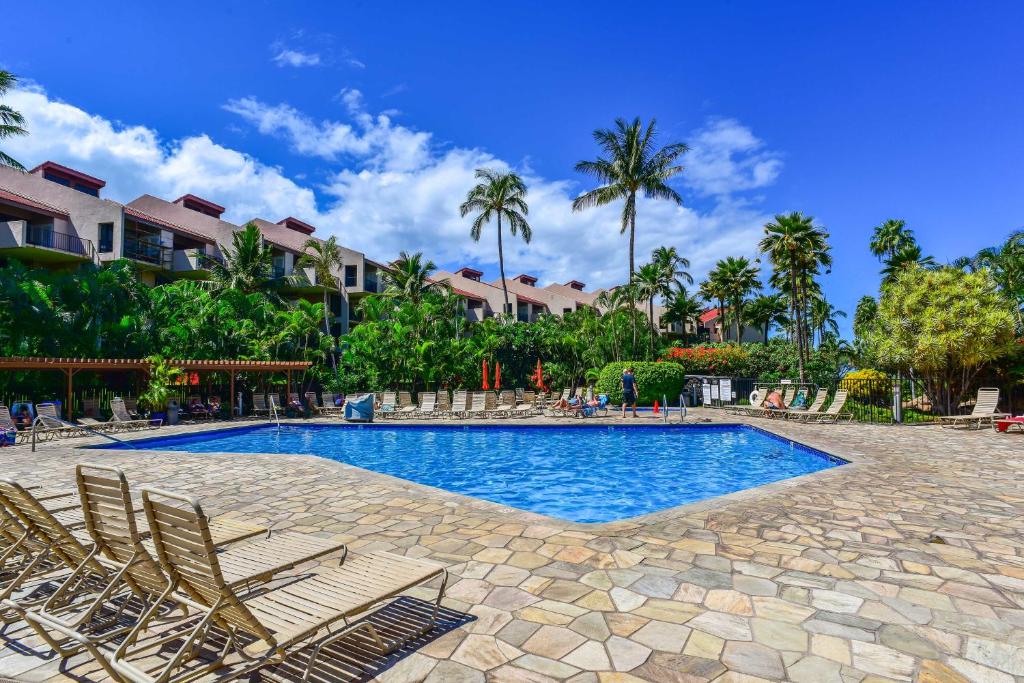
pixel 428 405
pixel 119 545
pixel 444 403
pixel 506 403
pixel 835 411
pixel 388 405
pixel 120 415
pixel 984 412
pixel 259 627
pixel 329 408
pixel 259 405
pixel 406 405
pixel 46 414
pixel 812 411
pixel 528 406
pixel 459 404
pixel 7 424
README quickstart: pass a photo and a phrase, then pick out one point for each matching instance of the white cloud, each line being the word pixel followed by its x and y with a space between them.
pixel 726 157
pixel 295 58
pixel 396 190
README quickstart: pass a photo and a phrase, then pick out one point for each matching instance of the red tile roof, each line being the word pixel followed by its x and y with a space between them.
pixel 523 297
pixel 709 315
pixel 8 197
pixel 467 295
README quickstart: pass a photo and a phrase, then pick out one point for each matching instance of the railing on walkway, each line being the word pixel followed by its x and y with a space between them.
pixel 149 252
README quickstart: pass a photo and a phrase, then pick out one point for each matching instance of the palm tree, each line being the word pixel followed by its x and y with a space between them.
pixel 610 302
pixel 797 249
pixel 907 256
pixel 248 263
pixel 738 277
pixel 324 257
pixel 713 291
pixel 767 310
pixel 409 277
pixel 500 195
pixel 631 164
pixel 684 309
pixel 648 282
pixel 11 122
pixel 823 318
pixel 672 266
pixel 1006 265
pixel 890 237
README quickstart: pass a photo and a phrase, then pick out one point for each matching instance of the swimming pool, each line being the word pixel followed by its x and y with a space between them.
pixel 577 473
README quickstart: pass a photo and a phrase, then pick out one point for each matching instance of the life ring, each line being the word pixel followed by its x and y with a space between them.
pixel 755 397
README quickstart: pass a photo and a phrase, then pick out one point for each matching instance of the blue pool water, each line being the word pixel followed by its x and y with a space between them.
pixel 582 474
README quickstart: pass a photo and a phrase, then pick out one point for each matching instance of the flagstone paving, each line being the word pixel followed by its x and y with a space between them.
pixel 907 564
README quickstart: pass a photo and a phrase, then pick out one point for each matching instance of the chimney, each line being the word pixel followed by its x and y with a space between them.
pixel 297 225
pixel 527 280
pixel 470 273
pixel 69 177
pixel 575 284
pixel 203 206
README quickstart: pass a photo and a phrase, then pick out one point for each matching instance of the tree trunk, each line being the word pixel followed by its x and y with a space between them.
pixel 632 237
pixel 650 305
pixel 766 326
pixel 501 265
pixel 797 320
pixel 327 328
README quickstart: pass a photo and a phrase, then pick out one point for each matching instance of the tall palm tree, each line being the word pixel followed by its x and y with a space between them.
pixel 610 302
pixel 648 283
pixel 684 309
pixel 907 256
pixel 500 195
pixel 890 237
pixel 673 268
pixel 823 318
pixel 409 277
pixel 325 258
pixel 11 122
pixel 248 263
pixel 767 310
pixel 797 249
pixel 631 164
pixel 712 290
pixel 738 277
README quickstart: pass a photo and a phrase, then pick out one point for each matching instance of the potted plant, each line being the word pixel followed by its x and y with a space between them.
pixel 158 393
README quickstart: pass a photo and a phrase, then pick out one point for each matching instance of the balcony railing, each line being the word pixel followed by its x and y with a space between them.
pixel 149 252
pixel 45 236
pixel 370 283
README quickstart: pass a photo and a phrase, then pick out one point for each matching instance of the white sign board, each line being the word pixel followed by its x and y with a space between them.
pixel 725 389
pixel 714 392
pixel 705 390
pixel 786 381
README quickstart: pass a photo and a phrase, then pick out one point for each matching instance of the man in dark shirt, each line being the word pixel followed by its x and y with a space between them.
pixel 630 388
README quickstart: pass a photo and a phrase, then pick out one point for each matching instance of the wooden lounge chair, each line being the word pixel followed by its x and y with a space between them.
pixel 119 545
pixel 459 404
pixel 260 627
pixel 835 411
pixel 984 411
pixel 120 415
pixel 812 411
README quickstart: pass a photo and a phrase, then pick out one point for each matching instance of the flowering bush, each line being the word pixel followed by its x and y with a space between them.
pixel 727 359
pixel 859 384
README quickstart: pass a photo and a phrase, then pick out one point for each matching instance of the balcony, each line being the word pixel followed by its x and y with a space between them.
pixel 44 236
pixel 370 282
pixel 149 253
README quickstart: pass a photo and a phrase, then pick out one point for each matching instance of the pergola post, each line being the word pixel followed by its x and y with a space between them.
pixel 231 397
pixel 288 388
pixel 70 372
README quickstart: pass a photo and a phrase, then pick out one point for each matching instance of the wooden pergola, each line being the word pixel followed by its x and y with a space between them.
pixel 72 366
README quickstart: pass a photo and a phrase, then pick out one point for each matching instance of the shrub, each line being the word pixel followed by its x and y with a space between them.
pixel 724 359
pixel 654 379
pixel 861 384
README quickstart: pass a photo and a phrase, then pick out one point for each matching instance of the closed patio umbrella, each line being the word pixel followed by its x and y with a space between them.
pixel 497 376
pixel 486 385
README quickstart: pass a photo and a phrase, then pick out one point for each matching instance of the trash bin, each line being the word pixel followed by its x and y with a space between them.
pixel 172 411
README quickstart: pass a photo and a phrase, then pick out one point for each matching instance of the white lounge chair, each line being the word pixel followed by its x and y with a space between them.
pixel 984 411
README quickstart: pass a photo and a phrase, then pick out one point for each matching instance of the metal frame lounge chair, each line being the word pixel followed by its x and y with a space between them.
pixel 120 415
pixel 281 620
pixel 406 405
pixel 527 407
pixel 506 403
pixel 459 404
pixel 7 425
pixel 984 412
pixel 388 405
pixel 443 403
pixel 329 407
pixel 835 412
pixel 812 411
pixel 259 405
pixel 428 405
pixel 53 425
pixel 314 408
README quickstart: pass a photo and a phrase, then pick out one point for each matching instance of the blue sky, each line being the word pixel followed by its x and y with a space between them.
pixel 367 119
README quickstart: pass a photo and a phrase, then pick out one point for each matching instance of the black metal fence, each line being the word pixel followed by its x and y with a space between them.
pixel 888 400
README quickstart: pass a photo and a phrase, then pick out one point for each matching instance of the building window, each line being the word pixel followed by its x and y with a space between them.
pixel 87 190
pixel 350 276
pixel 106 238
pixel 57 179
pixel 566 311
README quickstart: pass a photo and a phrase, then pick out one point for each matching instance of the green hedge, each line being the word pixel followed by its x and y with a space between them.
pixel 654 379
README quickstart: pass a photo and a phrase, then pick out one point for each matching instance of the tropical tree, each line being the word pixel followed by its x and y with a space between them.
pixel 673 267
pixel 325 258
pixel 824 318
pixel 11 122
pixel 738 278
pixel 712 290
pixel 248 263
pixel 766 310
pixel 907 256
pixel 890 237
pixel 684 309
pixel 631 164
pixel 649 282
pixel 500 195
pixel 797 250
pixel 1005 262
pixel 409 277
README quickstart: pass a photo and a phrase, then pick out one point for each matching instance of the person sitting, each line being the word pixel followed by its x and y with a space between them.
pixel 295 405
pixel 196 408
pixel 773 401
pixel 214 406
pixel 23 418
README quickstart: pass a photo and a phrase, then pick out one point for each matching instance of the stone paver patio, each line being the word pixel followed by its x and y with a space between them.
pixel 907 564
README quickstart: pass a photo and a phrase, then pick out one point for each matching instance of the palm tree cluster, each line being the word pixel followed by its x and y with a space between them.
pixel 1005 263
pixel 12 123
pixel 897 249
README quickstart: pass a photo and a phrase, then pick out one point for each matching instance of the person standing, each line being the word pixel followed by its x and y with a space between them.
pixel 630 389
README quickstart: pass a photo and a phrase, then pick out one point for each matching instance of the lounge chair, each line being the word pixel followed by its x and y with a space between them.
pixel 506 403
pixel 428 405
pixel 528 406
pixel 984 411
pixel 835 411
pixel 120 415
pixel 812 411
pixel 459 404
pixel 444 403
pixel 196 409
pixel 388 405
pixel 269 624
pixel 132 406
pixel 53 425
pixel 406 405
pixel 311 401
pixel 331 407
pixel 259 405
pixel 601 407
pixel 7 424
pixel 481 405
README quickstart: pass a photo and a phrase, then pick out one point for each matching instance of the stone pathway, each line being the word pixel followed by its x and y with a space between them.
pixel 906 565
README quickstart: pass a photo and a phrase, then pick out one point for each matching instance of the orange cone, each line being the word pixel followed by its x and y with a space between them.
pixel 655 407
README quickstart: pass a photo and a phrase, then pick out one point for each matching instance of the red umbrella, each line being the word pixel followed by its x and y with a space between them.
pixel 497 376
pixel 486 386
